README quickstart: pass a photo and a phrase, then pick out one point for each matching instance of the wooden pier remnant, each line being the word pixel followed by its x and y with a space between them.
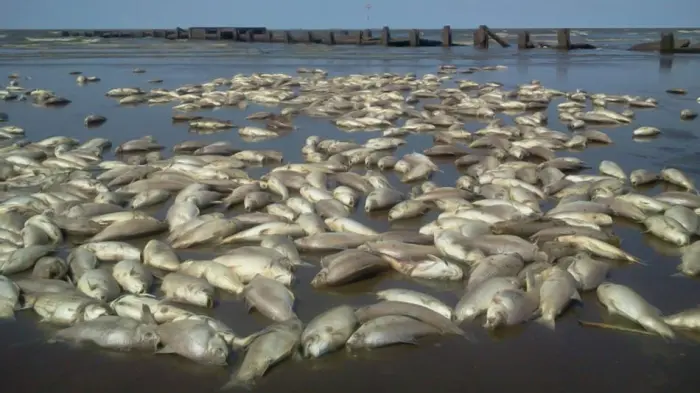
pixel 330 38
pixel 564 39
pixel 481 38
pixel 447 36
pixel 494 36
pixel 413 38
pixel 524 40
pixel 386 36
pixel 198 33
pixel 668 43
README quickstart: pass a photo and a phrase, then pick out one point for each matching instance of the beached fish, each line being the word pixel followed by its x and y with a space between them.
pixel 623 301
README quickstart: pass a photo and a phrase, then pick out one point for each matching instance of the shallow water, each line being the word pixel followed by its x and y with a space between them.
pixel 528 358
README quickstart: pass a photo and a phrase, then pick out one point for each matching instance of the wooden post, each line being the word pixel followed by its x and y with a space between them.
pixel 367 33
pixel 288 37
pixel 413 37
pixel 668 43
pixel 236 35
pixel 481 39
pixel 330 38
pixel 494 36
pixel 386 36
pixel 447 35
pixel 250 36
pixel 524 40
pixel 360 37
pixel 310 37
pixel 196 33
pixel 563 39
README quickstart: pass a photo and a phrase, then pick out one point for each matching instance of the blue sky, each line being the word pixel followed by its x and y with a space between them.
pixel 319 14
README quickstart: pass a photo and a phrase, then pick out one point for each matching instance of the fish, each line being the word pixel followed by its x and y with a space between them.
pixel 113 332
pixel 328 331
pixel 195 340
pixel 624 301
pixel 272 346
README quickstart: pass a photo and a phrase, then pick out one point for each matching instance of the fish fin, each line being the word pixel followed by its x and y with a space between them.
pixel 237 383
pixel 297 356
pixel 468 336
pixel 165 350
pixel 304 264
pixel 146 316
pixel 530 282
pixel 157 273
pixel 436 258
pixel 249 307
pixel 546 322
pixel 576 296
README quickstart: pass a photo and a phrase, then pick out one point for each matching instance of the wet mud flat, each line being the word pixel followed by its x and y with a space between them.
pixel 527 358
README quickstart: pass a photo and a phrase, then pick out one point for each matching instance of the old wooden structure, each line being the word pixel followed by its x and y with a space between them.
pixel 481 38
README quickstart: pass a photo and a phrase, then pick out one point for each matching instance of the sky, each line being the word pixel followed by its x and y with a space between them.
pixel 320 14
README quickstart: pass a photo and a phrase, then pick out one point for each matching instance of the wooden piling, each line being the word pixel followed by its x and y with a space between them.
pixel 330 38
pixel 360 37
pixel 564 39
pixel 250 36
pixel 310 37
pixel 367 33
pixel 447 36
pixel 668 43
pixel 225 34
pixel 196 33
pixel 481 38
pixel 386 36
pixel 494 36
pixel 414 37
pixel 288 37
pixel 524 40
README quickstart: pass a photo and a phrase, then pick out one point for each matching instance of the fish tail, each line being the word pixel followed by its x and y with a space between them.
pixel 235 383
pixel 303 264
pixel 468 336
pixel 547 322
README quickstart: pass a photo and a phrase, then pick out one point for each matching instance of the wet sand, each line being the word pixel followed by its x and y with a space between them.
pixel 530 358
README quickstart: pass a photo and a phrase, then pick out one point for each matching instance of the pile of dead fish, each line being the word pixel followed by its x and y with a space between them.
pixel 516 261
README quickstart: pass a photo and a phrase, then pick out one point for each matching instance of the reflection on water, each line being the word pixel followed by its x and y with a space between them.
pixel 530 358
pixel 665 62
